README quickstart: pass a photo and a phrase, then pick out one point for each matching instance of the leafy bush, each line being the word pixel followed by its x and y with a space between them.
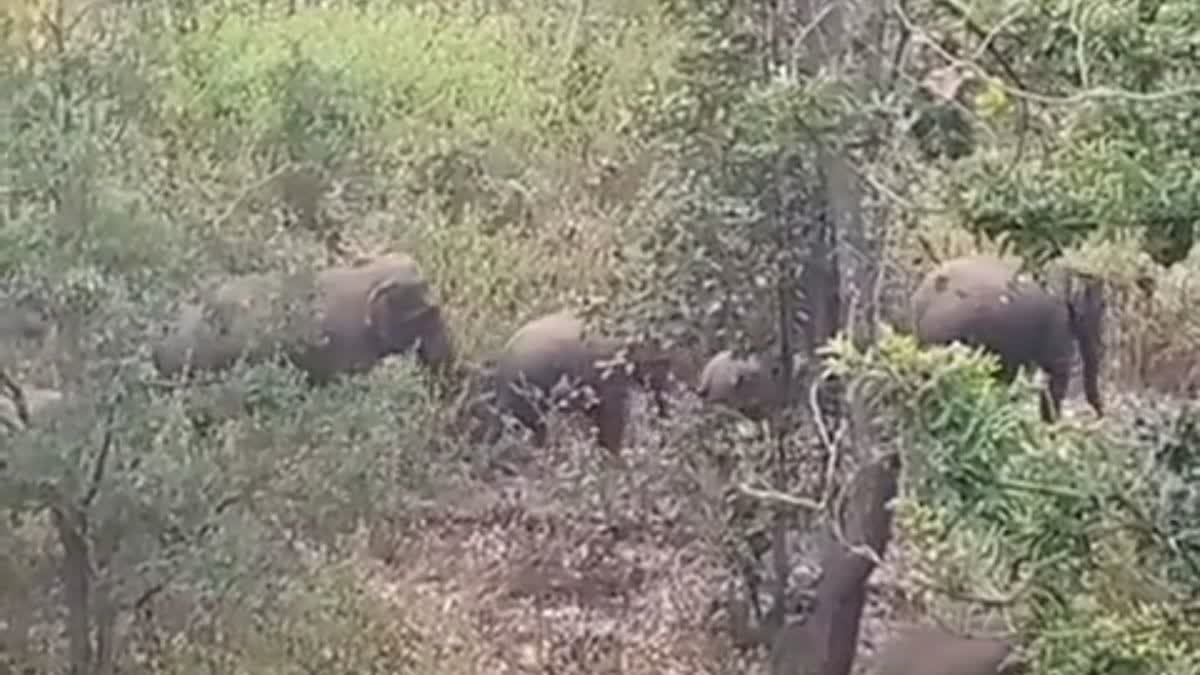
pixel 1061 529
pixel 1112 109
pixel 353 71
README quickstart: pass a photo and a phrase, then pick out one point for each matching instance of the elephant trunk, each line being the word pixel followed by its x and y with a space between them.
pixel 436 345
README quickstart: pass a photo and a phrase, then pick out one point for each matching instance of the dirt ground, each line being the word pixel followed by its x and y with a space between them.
pixel 574 565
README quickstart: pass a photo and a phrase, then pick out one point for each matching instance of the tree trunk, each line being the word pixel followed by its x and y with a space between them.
pixel 70 524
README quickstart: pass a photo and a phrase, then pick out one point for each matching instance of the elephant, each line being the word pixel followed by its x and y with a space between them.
pixel 741 383
pixel 925 650
pixel 242 318
pixel 748 384
pixel 980 301
pixel 339 320
pixel 552 361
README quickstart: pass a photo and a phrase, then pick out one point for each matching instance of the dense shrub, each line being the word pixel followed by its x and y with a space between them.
pixel 1053 527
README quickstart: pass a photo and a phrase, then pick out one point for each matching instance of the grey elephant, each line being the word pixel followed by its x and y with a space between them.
pixel 743 383
pixel 339 320
pixel 552 361
pixel 980 301
pixel 751 384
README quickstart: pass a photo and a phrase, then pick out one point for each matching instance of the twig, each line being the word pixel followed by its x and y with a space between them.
pixel 779 497
pixel 225 217
pixel 102 459
pixel 1082 96
pixel 17 395
pixel 988 44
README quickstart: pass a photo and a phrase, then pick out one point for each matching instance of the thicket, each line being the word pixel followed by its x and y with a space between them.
pixel 715 173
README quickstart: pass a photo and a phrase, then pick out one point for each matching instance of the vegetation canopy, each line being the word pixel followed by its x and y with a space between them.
pixel 688 177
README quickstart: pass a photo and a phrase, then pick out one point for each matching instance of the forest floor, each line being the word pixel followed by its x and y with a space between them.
pixel 573 565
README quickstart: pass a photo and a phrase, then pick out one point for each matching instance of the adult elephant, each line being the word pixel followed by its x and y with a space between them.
pixel 338 320
pixel 982 301
pixel 553 362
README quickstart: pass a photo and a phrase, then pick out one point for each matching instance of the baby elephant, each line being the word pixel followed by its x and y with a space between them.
pixel 342 319
pixel 744 384
pixel 751 385
pixel 979 301
pixel 552 362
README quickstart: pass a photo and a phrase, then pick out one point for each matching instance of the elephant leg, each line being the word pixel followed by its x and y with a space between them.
pixel 1055 391
pixel 526 408
pixel 487 426
pixel 1091 391
pixel 540 431
pixel 609 416
pixel 533 418
pixel 661 404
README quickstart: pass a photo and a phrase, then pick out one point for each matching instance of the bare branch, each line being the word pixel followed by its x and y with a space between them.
pixel 17 394
pixel 780 498
pixel 102 459
pixel 1090 94
pixel 245 194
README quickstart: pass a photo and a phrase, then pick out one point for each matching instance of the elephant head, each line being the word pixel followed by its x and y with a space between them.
pixel 399 317
pixel 745 383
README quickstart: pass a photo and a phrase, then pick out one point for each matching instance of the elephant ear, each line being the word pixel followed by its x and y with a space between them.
pixel 394 310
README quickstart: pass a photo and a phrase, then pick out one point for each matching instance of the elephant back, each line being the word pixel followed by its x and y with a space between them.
pixel 266 311
pixel 247 317
pixel 981 301
pixel 978 277
pixel 193 341
pixel 543 350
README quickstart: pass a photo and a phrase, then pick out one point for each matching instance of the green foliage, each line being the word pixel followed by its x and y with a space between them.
pixel 325 77
pixel 198 487
pixel 1063 521
pixel 639 156
pixel 343 72
pixel 746 194
pixel 1109 95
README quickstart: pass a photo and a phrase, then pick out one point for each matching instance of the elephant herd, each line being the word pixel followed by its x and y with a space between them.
pixel 347 319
